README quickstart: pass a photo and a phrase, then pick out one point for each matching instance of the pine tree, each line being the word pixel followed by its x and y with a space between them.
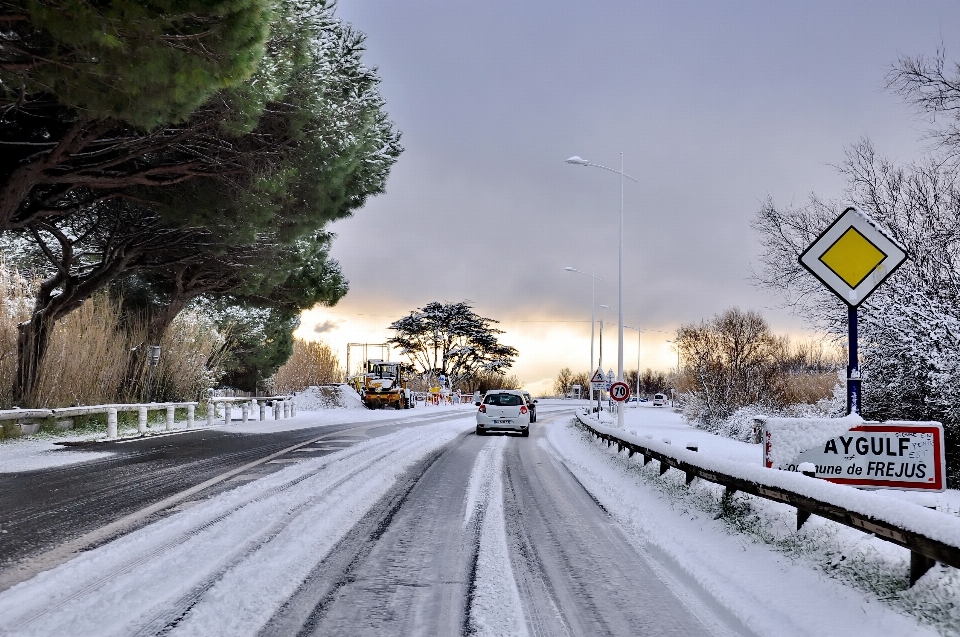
pixel 144 63
pixel 450 339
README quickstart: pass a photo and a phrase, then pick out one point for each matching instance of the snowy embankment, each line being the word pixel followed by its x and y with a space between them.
pixel 191 573
pixel 775 580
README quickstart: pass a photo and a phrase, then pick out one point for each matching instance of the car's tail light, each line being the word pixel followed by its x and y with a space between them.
pixel 483 409
pixel 523 409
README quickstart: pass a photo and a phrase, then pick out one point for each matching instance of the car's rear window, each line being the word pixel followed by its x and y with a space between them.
pixel 503 400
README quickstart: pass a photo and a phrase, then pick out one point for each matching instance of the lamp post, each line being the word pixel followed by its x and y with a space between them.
pixel 630 327
pixel 579 161
pixel 593 320
pixel 673 401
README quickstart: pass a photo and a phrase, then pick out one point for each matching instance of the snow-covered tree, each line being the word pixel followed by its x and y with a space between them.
pixel 452 340
pixel 910 327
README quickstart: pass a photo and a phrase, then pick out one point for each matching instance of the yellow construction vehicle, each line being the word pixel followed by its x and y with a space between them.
pixel 384 384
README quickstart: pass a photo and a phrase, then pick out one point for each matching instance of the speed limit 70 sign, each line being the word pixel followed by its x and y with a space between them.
pixel 619 392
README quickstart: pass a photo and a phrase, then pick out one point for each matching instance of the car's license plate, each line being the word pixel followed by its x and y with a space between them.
pixel 502 422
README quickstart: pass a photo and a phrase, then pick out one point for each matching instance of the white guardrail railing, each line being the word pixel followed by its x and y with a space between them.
pixel 931 536
pixel 282 407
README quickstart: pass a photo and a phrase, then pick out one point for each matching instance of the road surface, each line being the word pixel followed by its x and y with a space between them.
pixel 427 529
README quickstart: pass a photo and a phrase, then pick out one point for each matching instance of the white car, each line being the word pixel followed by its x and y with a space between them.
pixel 659 400
pixel 503 410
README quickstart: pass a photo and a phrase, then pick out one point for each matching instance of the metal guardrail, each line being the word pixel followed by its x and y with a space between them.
pixel 925 548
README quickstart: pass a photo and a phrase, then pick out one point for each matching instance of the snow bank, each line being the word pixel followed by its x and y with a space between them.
pixel 328 397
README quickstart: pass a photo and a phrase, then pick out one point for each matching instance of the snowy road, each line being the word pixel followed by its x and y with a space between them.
pixel 430 530
pixel 48 514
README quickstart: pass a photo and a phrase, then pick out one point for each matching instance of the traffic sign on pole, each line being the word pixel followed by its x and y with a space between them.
pixel 597 381
pixel 619 391
pixel 852 257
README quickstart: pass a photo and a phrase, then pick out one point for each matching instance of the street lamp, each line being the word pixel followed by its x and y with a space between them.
pixel 579 161
pixel 593 301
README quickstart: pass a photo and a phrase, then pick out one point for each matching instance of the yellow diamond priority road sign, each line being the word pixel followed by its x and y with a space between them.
pixel 852 257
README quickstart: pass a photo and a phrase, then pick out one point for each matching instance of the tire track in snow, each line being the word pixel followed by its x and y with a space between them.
pixel 138 565
pixel 307 607
pixel 493 607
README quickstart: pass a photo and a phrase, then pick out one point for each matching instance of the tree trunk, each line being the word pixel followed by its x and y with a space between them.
pixel 135 382
pixel 33 337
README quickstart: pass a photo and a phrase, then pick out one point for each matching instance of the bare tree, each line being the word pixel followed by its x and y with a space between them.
pixel 563 382
pixel 909 327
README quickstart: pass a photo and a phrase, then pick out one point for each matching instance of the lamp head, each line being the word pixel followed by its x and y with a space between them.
pixel 577 160
pixel 569 269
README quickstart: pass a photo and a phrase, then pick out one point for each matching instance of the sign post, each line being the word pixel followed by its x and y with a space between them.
pixel 598 384
pixel 852 257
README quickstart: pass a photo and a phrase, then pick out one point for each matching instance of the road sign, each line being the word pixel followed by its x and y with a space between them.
pixel 893 455
pixel 597 381
pixel 619 392
pixel 852 257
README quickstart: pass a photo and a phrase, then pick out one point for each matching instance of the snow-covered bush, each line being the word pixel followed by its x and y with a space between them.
pixel 734 367
pixel 740 425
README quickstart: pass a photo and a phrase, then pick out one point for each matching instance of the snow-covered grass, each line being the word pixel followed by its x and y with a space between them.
pixel 758 536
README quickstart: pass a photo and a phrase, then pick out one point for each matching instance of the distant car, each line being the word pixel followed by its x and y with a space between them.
pixel 644 400
pixel 659 400
pixel 503 410
pixel 531 405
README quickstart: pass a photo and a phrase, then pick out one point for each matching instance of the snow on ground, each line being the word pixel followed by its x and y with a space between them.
pixel 191 573
pixel 29 455
pixel 41 451
pixel 496 609
pixel 825 579
pixel 664 422
pixel 324 417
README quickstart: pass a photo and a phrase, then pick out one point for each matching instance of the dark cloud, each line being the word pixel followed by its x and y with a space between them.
pixel 326 326
pixel 716 106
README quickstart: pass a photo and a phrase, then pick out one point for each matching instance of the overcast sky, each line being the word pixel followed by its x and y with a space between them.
pixel 715 106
